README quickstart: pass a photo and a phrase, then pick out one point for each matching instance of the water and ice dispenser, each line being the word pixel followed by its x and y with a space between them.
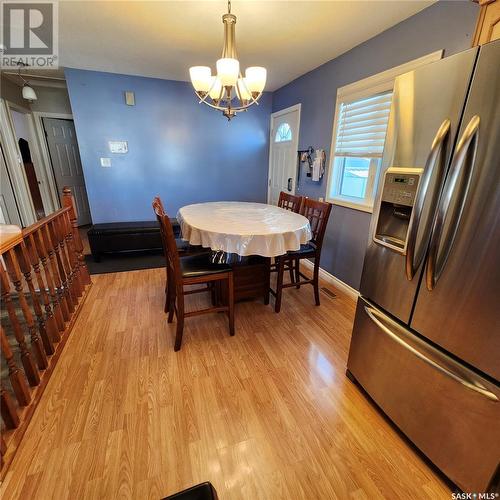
pixel 399 192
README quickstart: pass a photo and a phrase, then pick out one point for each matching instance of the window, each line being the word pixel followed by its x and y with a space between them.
pixel 359 144
pixel 358 139
pixel 284 133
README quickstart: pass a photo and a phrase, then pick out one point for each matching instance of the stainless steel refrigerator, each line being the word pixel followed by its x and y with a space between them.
pixel 426 337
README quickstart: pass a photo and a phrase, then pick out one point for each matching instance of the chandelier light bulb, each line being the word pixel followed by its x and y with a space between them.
pixel 242 90
pixel 255 77
pixel 215 88
pixel 201 78
pixel 228 70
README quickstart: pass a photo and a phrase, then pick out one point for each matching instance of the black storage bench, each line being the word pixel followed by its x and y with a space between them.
pixel 126 237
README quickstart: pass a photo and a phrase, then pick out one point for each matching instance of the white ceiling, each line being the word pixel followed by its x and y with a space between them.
pixel 164 38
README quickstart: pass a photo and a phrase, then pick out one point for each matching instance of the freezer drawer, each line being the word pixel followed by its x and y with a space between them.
pixel 447 411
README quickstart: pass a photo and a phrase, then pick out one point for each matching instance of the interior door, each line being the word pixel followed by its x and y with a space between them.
pixel 9 214
pixel 25 142
pixel 458 302
pixel 283 154
pixel 423 124
pixel 65 158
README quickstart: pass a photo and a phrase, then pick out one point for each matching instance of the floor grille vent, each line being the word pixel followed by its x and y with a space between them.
pixel 328 292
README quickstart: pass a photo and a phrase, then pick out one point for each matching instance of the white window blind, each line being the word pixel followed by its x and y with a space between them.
pixel 362 125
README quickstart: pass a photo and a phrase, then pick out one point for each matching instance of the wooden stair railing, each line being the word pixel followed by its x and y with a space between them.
pixel 44 281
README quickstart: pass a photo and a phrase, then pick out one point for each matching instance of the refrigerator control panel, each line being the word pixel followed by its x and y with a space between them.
pixel 400 188
pixel 395 211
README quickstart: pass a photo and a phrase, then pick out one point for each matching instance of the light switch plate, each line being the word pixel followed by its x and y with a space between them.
pixel 120 147
pixel 105 162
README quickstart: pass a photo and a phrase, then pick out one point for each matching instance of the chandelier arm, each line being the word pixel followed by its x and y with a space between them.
pixel 201 99
pixel 252 100
pixel 214 106
pixel 225 108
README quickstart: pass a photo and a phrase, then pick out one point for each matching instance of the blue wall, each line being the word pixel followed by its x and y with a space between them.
pixel 189 153
pixel 179 149
pixel 444 25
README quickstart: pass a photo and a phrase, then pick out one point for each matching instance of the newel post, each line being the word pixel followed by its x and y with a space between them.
pixel 68 201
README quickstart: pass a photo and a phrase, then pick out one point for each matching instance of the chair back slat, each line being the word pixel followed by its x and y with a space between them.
pixel 290 202
pixel 318 213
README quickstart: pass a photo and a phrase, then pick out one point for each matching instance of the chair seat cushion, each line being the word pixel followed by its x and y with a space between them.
pixel 182 245
pixel 194 266
pixel 304 250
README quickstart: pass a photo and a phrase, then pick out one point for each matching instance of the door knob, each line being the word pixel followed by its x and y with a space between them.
pixel 289 184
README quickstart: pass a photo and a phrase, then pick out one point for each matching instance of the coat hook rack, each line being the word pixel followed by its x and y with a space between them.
pixel 308 156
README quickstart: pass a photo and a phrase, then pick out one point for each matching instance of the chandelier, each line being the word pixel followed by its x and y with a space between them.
pixel 221 90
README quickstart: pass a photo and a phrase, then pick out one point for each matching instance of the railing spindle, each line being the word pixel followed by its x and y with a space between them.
pixel 16 376
pixel 25 266
pixel 50 313
pixel 26 358
pixel 68 201
pixel 57 302
pixel 72 255
pixel 8 409
pixel 65 277
pixel 15 275
pixel 62 292
pixel 65 254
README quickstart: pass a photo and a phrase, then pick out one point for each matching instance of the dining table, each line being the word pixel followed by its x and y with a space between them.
pixel 245 235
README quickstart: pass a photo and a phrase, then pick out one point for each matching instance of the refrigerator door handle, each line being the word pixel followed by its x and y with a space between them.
pixel 465 154
pixel 461 378
pixel 434 160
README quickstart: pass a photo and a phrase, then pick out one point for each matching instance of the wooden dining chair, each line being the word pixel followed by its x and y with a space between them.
pixel 294 204
pixel 183 247
pixel 318 213
pixel 191 270
pixel 290 202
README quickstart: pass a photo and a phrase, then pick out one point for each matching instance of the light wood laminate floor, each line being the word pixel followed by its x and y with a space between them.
pixel 266 414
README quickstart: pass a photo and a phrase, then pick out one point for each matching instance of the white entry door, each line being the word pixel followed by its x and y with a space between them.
pixel 283 153
pixel 65 158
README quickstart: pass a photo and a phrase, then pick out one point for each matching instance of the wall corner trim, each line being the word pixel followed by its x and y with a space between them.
pixel 329 278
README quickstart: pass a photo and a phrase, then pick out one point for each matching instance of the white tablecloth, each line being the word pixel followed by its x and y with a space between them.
pixel 243 228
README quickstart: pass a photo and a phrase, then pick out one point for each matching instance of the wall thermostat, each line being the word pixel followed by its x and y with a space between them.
pixel 120 147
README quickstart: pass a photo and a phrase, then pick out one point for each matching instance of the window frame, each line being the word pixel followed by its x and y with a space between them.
pixel 371 186
pixel 376 84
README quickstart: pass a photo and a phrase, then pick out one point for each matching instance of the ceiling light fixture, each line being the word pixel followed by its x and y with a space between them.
pixel 219 91
pixel 28 93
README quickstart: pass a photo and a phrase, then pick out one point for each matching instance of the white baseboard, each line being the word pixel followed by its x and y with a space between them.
pixel 329 278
